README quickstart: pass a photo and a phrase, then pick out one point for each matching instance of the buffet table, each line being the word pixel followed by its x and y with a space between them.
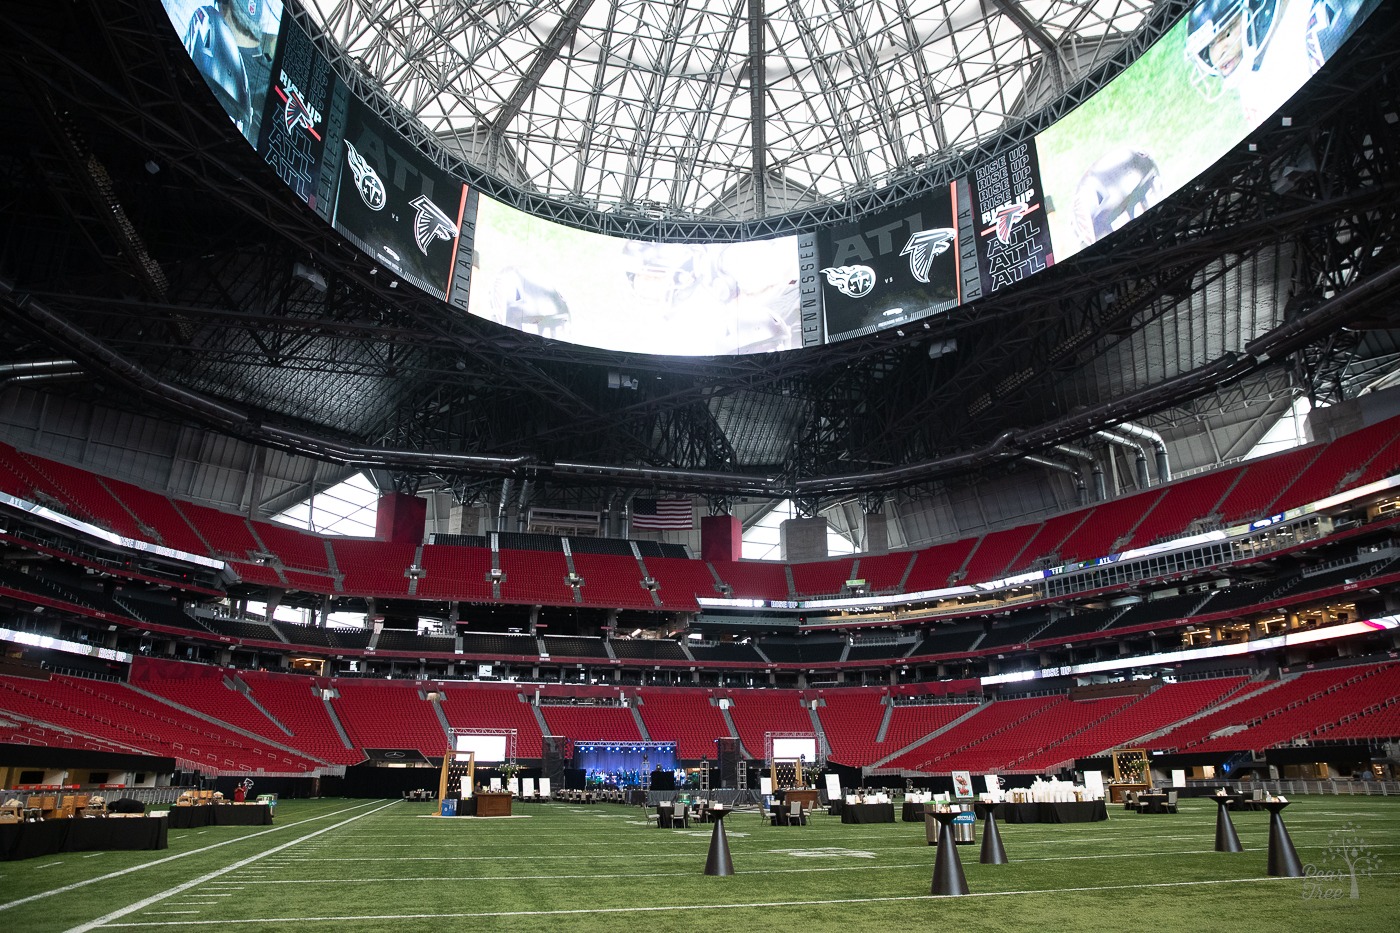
pixel 100 834
pixel 1088 811
pixel 867 813
pixel 221 814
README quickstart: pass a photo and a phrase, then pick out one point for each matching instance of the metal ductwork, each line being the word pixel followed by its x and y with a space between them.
pixel 507 489
pixel 1140 455
pixel 1079 486
pixel 1159 446
pixel 527 492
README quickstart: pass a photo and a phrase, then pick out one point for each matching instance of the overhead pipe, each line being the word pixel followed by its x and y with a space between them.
pixel 1159 446
pixel 1079 487
pixel 527 492
pixel 507 487
pixel 1139 455
pixel 36 366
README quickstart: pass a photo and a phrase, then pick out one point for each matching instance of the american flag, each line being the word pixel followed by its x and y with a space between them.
pixel 663 514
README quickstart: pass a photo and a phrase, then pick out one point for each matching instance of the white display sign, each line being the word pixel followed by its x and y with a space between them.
pixel 1093 784
pixel 1178 777
pixel 962 785
pixel 765 786
pixel 833 786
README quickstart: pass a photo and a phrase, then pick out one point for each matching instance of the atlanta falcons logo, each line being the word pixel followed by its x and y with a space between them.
pixel 851 281
pixel 367 180
pixel 925 245
pixel 430 223
pixel 1007 217
pixel 296 115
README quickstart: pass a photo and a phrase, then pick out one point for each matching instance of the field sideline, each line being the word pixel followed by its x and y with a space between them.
pixel 368 865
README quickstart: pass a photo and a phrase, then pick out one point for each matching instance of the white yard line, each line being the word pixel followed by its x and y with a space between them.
pixel 169 858
pixel 680 908
pixel 142 904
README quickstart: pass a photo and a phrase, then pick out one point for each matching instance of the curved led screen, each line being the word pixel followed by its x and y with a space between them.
pixel 665 298
pixel 1186 101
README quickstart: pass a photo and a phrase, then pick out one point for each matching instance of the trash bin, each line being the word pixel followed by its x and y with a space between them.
pixel 965 828
pixel 449 806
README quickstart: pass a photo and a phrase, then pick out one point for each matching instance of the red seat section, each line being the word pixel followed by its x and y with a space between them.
pixel 373 568
pixel 756 712
pixel 454 572
pixel 936 567
pixel 822 578
pixel 115 713
pixel 754 579
pixel 689 718
pixel 494 707
pixel 612 580
pixel 296 701
pixel 592 723
pixel 680 581
pixel 388 714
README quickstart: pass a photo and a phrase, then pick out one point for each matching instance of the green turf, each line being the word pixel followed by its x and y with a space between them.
pixel 355 865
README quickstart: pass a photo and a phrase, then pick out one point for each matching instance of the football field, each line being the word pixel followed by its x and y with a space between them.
pixel 368 865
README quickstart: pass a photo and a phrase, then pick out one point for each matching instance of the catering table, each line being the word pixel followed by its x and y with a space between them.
pixel 101 834
pixel 1088 811
pixel 808 797
pixel 867 813
pixel 221 814
pixel 489 803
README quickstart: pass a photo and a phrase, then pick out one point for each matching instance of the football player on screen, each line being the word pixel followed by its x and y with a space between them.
pixel 227 42
pixel 1264 50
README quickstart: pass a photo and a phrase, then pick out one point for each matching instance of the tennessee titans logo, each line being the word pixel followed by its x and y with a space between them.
pixel 430 223
pixel 1007 217
pixel 851 281
pixel 925 245
pixel 367 180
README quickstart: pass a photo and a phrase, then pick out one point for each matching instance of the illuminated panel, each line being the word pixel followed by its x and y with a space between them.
pixel 293 136
pixel 1012 235
pixel 889 268
pixel 1182 105
pixel 681 299
pixel 488 748
pixel 795 748
pixel 232 44
pixel 391 201
pixel 1172 114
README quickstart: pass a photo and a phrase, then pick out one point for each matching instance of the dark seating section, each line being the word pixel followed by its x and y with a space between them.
pixel 1075 624
pixel 571 646
pixel 950 639
pixel 877 651
pixel 241 628
pixel 1170 610
pixel 649 649
pixel 1013 631
pixel 803 650
pixel 401 640
pixel 725 653
pixel 493 643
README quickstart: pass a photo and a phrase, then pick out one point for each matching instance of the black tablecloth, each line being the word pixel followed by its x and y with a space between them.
pixel 913 812
pixel 1090 811
pixel 1152 803
pixel 867 813
pixel 221 815
pixel 27 840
